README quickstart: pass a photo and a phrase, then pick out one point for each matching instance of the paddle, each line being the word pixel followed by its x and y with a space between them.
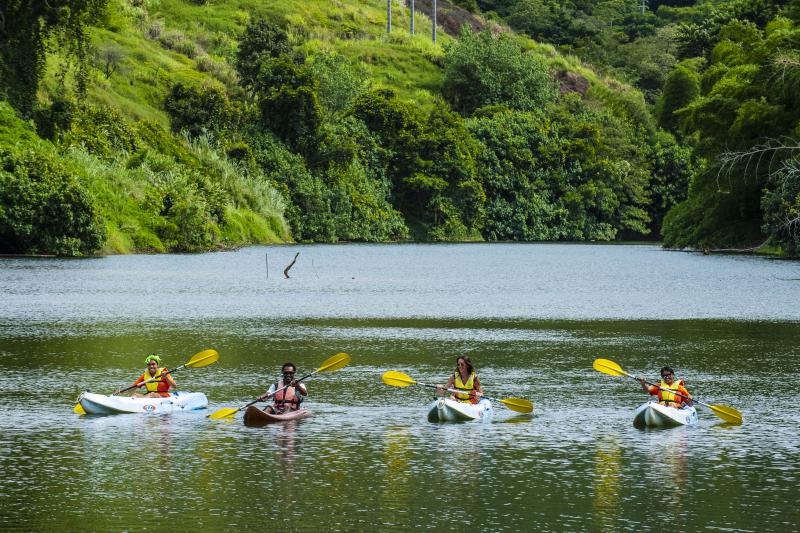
pixel 398 379
pixel 728 414
pixel 200 359
pixel 335 362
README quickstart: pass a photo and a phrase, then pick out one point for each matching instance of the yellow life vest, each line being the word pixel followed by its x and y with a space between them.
pixel 152 386
pixel 469 386
pixel 670 398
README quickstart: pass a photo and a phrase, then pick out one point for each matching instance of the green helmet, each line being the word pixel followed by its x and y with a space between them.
pixel 153 357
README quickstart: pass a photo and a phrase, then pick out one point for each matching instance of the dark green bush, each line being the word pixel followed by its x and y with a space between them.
pixel 199 108
pixel 481 69
pixel 101 131
pixel 262 41
pixel 44 209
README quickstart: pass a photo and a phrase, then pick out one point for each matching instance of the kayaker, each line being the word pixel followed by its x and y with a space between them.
pixel 666 397
pixel 287 392
pixel 160 386
pixel 464 380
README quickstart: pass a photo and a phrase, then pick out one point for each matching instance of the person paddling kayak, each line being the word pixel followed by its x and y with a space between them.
pixel 158 387
pixel 287 393
pixel 668 397
pixel 464 380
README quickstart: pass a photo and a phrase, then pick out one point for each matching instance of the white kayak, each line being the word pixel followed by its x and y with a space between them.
pixel 449 410
pixel 653 414
pixel 100 404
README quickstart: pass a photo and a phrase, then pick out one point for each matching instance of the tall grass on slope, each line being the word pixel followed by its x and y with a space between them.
pixel 151 203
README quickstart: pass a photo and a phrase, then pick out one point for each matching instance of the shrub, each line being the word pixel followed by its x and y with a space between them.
pixel 101 130
pixel 44 209
pixel 198 108
pixel 481 70
pixel 261 41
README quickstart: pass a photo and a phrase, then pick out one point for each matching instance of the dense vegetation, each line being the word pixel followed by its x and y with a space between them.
pixel 177 125
pixel 724 78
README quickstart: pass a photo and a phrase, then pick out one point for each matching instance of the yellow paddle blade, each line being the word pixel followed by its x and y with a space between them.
pixel 728 414
pixel 608 367
pixel 225 412
pixel 79 409
pixel 518 404
pixel 397 379
pixel 334 362
pixel 204 358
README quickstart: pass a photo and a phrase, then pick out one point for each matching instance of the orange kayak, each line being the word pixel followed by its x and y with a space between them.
pixel 255 417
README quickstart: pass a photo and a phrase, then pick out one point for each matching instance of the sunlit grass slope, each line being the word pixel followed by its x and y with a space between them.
pixel 161 42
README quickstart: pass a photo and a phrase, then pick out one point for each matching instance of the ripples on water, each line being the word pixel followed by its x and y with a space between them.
pixel 532 317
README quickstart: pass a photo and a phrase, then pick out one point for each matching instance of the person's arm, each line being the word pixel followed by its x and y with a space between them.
pixel 171 381
pixel 267 395
pixel 652 391
pixel 135 384
pixel 440 389
pixel 300 388
pixel 688 399
pixel 478 387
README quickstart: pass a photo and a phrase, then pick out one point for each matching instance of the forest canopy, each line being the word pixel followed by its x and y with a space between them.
pixel 128 127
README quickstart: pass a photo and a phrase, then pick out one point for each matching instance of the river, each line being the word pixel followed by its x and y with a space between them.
pixel 532 317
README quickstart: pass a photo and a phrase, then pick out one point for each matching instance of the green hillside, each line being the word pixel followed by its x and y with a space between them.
pixel 327 129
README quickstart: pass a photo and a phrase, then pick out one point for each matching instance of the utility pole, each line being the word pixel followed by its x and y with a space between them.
pixel 388 16
pixel 643 5
pixel 412 17
pixel 434 21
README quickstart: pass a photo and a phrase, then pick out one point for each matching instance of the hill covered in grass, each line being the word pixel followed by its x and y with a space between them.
pixel 191 125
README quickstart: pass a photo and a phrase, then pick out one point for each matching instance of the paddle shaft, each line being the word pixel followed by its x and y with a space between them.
pixel 277 391
pixel 669 390
pixel 285 387
pixel 712 407
pixel 157 378
pixel 454 391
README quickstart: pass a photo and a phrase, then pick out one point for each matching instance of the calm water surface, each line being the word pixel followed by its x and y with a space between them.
pixel 532 317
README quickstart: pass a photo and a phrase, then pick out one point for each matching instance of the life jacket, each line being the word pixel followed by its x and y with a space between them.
pixel 669 398
pixel 160 386
pixel 467 387
pixel 286 398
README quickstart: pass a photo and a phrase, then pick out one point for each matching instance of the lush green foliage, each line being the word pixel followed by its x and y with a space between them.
pixel 748 94
pixel 44 206
pixel 312 123
pixel 482 70
pixel 430 161
pixel 27 26
pixel 200 108
pixel 681 87
pixel 262 41
pixel 781 205
pixel 565 174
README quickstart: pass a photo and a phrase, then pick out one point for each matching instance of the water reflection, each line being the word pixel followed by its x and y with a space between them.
pixel 606 484
pixel 371 460
pixel 397 484
pixel 514 419
pixel 286 440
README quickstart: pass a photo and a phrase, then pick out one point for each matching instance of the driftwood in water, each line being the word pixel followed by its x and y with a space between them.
pixel 286 270
pixel 707 251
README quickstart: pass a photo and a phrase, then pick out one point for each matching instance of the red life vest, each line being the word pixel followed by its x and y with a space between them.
pixel 286 398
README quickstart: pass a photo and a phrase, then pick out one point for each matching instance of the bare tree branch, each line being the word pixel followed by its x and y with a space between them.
pixel 286 270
